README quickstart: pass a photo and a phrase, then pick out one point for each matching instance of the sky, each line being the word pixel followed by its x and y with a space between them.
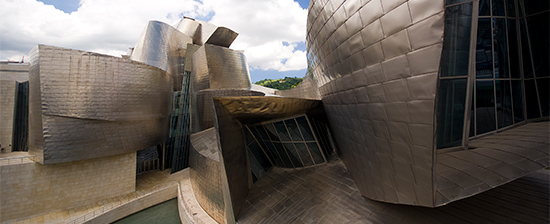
pixel 271 32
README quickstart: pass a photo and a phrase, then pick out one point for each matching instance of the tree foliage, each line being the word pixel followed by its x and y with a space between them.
pixel 280 84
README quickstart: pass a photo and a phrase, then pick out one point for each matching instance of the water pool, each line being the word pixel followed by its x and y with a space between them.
pixel 163 213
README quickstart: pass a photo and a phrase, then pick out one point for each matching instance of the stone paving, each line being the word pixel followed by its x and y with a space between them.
pixel 327 194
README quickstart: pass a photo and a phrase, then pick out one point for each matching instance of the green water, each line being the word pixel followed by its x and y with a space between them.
pixel 163 213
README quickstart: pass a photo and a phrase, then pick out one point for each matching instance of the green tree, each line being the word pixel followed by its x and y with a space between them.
pixel 280 84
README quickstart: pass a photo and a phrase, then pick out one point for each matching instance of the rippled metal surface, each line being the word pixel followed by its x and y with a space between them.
pixel 376 65
pixel 161 45
pixel 85 105
pixel 216 67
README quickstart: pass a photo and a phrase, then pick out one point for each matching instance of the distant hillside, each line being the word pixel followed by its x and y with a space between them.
pixel 280 84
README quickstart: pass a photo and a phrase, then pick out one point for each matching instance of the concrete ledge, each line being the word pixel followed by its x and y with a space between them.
pixel 189 209
pixel 134 206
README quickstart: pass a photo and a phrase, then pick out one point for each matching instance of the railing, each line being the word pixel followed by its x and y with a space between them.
pixel 147 166
pixel 16 160
pixel 100 211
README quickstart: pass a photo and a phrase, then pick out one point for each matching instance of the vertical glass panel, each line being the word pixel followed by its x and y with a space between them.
pixel 261 131
pixel 504 103
pixel 517 93
pixel 304 127
pixel 500 48
pixel 279 159
pixel 510 8
pixel 305 154
pixel 451 98
pixel 294 155
pixel 521 8
pixel 539 35
pixel 314 149
pixel 532 99
pixel 525 52
pixel 258 153
pixel 450 2
pixel 513 49
pixel 498 8
pixel 293 130
pixel 248 136
pixel 289 159
pixel 456 42
pixel 485 107
pixel 255 166
pixel 271 132
pixel 544 93
pixel 484 51
pixel 281 129
pixel 536 6
pixel 484 8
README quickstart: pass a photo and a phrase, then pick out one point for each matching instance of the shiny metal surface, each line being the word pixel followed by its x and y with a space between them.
pixel 203 106
pixel 230 115
pixel 161 45
pixel 85 105
pixel 375 63
pixel 205 173
pixel 216 67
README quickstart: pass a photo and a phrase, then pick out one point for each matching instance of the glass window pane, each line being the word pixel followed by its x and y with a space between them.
pixel 484 51
pixel 456 42
pixel 504 103
pixel 278 159
pixel 258 153
pixel 281 129
pixel 539 35
pixel 501 48
pixel 450 2
pixel 294 155
pixel 511 8
pixel 271 132
pixel 293 130
pixel 525 53
pixel 518 100
pixel 288 159
pixel 498 8
pixel 485 107
pixel 261 134
pixel 532 99
pixel 314 149
pixel 544 94
pixel 484 9
pixel 255 167
pixel 304 153
pixel 535 6
pixel 451 99
pixel 513 48
pixel 304 127
pixel 248 136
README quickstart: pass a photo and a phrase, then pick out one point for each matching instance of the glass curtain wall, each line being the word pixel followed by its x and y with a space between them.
pixel 510 79
pixel 21 117
pixel 294 142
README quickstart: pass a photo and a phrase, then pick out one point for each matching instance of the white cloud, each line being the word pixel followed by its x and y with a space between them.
pixel 112 26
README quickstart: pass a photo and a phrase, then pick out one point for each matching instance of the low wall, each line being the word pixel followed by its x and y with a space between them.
pixel 137 205
pixel 29 189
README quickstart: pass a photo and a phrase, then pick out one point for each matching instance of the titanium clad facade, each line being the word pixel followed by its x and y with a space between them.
pixel 376 65
pixel 407 83
pixel 85 105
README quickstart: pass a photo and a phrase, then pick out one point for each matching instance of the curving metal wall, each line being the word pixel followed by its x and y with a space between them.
pixel 376 65
pixel 162 46
pixel 84 105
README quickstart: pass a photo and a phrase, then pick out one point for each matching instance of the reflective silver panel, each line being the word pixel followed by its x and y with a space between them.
pixel 85 105
pixel 380 104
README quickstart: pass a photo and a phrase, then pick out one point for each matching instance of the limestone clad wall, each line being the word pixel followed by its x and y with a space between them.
pixel 29 189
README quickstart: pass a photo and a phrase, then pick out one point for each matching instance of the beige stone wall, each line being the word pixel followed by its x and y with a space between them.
pixel 28 189
pixel 9 75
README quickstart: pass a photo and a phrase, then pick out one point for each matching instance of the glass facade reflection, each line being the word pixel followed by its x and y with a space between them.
pixel 294 142
pixel 509 79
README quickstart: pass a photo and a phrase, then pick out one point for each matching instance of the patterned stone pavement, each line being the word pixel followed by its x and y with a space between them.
pixel 327 194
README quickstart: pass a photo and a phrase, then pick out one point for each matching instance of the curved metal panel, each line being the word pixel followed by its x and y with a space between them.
pixel 370 64
pixel 85 105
